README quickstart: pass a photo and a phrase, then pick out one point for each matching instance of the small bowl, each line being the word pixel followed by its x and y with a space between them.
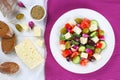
pixel 36 9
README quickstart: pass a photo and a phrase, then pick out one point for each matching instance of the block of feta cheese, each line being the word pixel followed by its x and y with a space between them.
pixel 84 55
pixel 72 22
pixel 77 30
pixel 28 54
pixel 97 56
pixel 95 39
pixel 67 35
pixel 37 31
pixel 83 40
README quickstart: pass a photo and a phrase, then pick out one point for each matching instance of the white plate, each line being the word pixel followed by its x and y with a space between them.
pixel 109 38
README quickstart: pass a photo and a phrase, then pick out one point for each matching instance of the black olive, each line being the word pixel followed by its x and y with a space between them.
pixel 92 59
pixel 90 42
pixel 68 58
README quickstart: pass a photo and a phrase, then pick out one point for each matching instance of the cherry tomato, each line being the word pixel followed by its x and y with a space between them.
pixel 68 26
pixel 62 42
pixel 99 45
pixel 74 54
pixel 84 62
pixel 66 53
pixel 85 23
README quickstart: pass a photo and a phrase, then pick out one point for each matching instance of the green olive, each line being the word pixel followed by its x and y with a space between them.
pixel 78 20
pixel 19 27
pixel 19 16
pixel 85 30
pixel 101 32
pixel 63 31
pixel 97 50
pixel 67 45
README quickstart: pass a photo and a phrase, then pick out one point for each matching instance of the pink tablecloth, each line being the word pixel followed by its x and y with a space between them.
pixel 111 10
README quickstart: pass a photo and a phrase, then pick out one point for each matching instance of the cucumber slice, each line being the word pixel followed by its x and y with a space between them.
pixel 62 37
pixel 75 42
pixel 103 44
pixel 76 59
pixel 81 49
pixel 93 34
pixel 93 25
pixel 94 22
pixel 91 47
pixel 76 35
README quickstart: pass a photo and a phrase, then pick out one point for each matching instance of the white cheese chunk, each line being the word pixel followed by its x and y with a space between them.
pixel 93 27
pixel 28 54
pixel 97 56
pixel 72 22
pixel 67 35
pixel 83 40
pixel 84 55
pixel 37 31
pixel 77 30
pixel 62 47
pixel 95 39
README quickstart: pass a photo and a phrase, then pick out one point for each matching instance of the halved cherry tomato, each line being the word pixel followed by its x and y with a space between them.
pixel 75 54
pixel 66 53
pixel 68 26
pixel 84 62
pixel 62 42
pixel 99 45
pixel 85 23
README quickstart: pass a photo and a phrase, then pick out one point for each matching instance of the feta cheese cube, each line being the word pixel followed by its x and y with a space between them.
pixel 93 27
pixel 28 54
pixel 77 30
pixel 97 56
pixel 72 22
pixel 83 40
pixel 67 35
pixel 37 31
pixel 84 55
pixel 95 39
pixel 62 47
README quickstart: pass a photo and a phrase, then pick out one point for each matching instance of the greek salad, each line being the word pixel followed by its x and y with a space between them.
pixel 81 41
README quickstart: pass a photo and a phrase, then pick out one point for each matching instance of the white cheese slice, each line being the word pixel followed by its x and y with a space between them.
pixel 67 35
pixel 83 40
pixel 28 54
pixel 84 55
pixel 95 39
pixel 37 31
pixel 77 30
pixel 97 56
